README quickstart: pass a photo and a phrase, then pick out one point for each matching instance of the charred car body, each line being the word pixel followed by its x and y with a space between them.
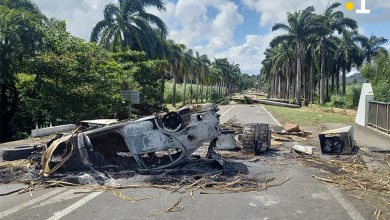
pixel 159 141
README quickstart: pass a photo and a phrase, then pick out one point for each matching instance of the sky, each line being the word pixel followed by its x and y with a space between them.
pixel 239 30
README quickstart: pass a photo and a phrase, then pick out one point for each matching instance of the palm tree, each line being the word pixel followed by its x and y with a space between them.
pixel 348 53
pixel 332 21
pixel 223 65
pixel 127 25
pixel 175 58
pixel 284 60
pixel 301 24
pixel 202 63
pixel 371 46
pixel 188 69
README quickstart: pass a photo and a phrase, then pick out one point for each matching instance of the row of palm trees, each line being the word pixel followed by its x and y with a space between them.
pixel 315 48
pixel 219 75
pixel 127 26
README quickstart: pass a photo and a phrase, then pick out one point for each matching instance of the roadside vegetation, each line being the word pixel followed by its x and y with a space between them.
pixel 49 76
pixel 307 61
pixel 314 115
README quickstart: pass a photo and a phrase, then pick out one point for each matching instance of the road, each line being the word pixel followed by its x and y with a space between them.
pixel 302 197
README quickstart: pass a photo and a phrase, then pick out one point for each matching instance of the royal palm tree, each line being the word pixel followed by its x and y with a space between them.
pixel 188 69
pixel 332 21
pixel 127 25
pixel 301 24
pixel 371 46
pixel 202 63
pixel 175 59
pixel 348 53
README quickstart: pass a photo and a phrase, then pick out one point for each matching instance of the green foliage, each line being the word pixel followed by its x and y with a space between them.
pixel 20 136
pixel 215 97
pixel 378 73
pixel 336 101
pixel 350 100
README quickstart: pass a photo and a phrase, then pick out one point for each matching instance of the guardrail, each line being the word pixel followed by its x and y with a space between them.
pixel 378 115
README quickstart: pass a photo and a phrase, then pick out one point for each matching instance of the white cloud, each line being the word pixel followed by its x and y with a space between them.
pixel 276 11
pixel 251 53
pixel 189 23
pixel 80 15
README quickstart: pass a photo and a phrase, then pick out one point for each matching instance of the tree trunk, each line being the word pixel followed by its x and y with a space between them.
pixel 298 94
pixel 197 87
pixel 184 91
pixel 207 91
pixel 288 82
pixel 191 89
pixel 174 92
pixel 201 92
pixel 279 85
pixel 311 83
pixel 344 79
pixel 327 87
pixel 337 80
pixel 332 86
pixel 322 89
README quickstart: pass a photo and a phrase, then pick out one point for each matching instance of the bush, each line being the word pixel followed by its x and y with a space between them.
pixel 352 96
pixel 336 101
pixel 215 97
pixel 20 136
pixel 350 100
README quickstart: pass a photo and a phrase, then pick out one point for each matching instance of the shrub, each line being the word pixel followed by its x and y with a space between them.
pixel 336 101
pixel 352 96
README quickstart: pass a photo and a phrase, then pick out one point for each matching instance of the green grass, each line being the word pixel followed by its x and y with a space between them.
pixel 303 116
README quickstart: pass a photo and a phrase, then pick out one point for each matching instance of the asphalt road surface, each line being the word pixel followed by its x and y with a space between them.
pixel 302 197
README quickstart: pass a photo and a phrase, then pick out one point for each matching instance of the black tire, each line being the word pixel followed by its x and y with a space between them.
pixel 18 152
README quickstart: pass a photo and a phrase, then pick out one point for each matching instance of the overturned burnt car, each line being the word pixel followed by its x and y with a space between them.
pixel 159 141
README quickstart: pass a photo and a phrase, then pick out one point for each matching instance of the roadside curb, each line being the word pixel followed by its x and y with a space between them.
pixel 272 117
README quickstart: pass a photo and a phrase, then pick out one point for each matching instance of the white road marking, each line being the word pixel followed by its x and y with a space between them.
pixel 273 118
pixel 30 202
pixel 355 215
pixel 227 110
pixel 69 194
pixel 60 214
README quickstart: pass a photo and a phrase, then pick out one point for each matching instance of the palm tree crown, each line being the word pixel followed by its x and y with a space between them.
pixel 128 26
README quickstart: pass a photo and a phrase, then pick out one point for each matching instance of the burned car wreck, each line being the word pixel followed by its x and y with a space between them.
pixel 159 141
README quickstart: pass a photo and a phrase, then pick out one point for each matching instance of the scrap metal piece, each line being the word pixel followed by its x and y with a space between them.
pixel 258 137
pixel 211 154
pixel 226 140
pixel 337 141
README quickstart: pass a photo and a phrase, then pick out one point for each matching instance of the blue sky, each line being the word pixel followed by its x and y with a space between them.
pixel 236 29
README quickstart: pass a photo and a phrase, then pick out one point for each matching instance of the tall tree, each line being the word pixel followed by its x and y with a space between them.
pixel 348 53
pixel 18 40
pixel 371 46
pixel 301 24
pixel 175 59
pixel 188 69
pixel 332 21
pixel 127 25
